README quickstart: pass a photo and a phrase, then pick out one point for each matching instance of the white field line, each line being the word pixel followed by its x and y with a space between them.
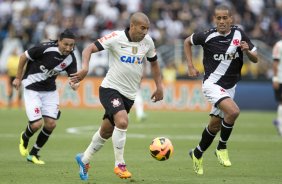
pixel 88 131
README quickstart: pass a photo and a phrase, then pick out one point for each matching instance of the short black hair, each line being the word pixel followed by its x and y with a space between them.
pixel 67 33
pixel 224 7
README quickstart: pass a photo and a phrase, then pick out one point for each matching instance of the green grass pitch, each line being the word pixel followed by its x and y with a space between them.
pixel 255 150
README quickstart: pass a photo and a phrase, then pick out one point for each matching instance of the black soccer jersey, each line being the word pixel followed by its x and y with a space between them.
pixel 45 62
pixel 223 58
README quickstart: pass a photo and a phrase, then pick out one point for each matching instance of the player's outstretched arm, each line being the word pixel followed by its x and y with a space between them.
pixel 86 54
pixel 192 71
pixel 156 72
pixel 252 55
pixel 17 81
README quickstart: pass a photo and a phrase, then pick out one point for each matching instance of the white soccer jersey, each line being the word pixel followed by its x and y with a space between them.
pixel 277 54
pixel 125 61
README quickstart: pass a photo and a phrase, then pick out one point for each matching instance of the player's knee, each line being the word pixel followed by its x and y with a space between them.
pixel 122 124
pixel 235 113
pixel 35 125
pixel 232 115
pixel 50 125
pixel 121 121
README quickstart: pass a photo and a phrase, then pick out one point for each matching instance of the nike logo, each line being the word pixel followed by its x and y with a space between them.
pixel 123 46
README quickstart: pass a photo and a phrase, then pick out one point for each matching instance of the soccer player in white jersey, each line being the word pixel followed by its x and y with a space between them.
pixel 118 90
pixel 43 63
pixel 277 83
pixel 223 47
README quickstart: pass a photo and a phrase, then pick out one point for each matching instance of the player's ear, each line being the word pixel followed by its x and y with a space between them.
pixel 231 19
pixel 73 48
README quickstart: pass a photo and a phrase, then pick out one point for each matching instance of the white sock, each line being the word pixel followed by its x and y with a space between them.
pixel 118 139
pixel 279 117
pixel 96 144
pixel 139 106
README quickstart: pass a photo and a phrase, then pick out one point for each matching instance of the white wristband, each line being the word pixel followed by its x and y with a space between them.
pixel 275 79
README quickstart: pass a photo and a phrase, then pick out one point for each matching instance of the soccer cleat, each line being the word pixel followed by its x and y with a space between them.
pixel 222 156
pixel 197 163
pixel 83 168
pixel 35 159
pixel 23 150
pixel 122 172
pixel 277 126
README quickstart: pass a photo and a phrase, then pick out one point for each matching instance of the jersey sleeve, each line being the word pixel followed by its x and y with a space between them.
pixel 34 52
pixel 247 39
pixel 198 38
pixel 107 41
pixel 151 54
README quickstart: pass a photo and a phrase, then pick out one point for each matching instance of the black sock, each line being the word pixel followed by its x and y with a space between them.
pixel 27 135
pixel 225 133
pixel 34 150
pixel 41 140
pixel 207 138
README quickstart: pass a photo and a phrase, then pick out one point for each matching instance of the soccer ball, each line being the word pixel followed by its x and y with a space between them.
pixel 161 148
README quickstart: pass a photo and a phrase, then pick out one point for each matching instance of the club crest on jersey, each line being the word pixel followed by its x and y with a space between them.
pixel 134 50
pixel 115 102
pixel 63 65
pixel 236 42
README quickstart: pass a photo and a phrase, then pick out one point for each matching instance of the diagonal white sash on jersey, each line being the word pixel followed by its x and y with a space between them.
pixel 38 77
pixel 224 64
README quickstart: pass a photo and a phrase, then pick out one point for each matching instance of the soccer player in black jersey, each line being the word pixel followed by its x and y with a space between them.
pixel 42 64
pixel 223 47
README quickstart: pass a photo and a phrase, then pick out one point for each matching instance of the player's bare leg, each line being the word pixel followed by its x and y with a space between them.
pixel 119 139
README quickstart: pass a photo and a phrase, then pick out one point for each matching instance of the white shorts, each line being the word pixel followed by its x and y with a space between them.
pixel 41 103
pixel 214 94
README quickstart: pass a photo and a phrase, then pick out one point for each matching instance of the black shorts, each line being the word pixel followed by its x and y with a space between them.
pixel 113 102
pixel 278 93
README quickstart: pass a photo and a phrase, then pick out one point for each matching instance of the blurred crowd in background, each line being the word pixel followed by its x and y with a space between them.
pixel 24 23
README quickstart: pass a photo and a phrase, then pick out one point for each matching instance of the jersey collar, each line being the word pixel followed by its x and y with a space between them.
pixel 226 34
